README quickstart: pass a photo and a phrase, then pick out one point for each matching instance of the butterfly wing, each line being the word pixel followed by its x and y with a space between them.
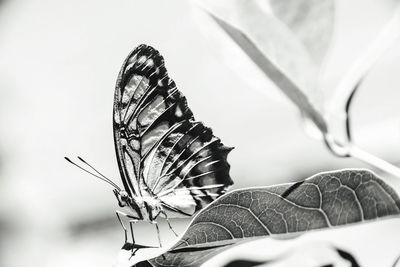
pixel 162 151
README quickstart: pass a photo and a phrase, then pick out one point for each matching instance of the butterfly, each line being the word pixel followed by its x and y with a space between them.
pixel 170 164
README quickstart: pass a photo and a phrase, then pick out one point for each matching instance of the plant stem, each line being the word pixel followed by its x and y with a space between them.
pixel 373 160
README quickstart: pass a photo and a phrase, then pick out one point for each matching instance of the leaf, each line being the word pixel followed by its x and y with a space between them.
pixel 320 253
pixel 339 246
pixel 310 21
pixel 287 42
pixel 324 200
pixel 292 91
pixel 293 35
pixel 397 262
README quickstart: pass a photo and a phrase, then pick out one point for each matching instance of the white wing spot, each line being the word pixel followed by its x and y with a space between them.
pixel 178 112
pixel 135 144
pixel 150 63
pixel 142 60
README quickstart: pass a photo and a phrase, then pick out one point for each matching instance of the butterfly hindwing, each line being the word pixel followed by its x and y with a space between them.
pixel 162 151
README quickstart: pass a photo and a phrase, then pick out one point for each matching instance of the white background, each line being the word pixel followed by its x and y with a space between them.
pixel 58 65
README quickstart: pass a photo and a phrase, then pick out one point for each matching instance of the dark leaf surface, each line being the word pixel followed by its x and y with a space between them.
pixel 324 200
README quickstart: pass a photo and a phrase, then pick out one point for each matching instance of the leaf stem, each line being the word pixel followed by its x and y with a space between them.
pixel 351 150
pixel 346 89
pixel 358 153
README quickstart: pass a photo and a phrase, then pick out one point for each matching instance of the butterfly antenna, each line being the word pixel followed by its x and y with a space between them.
pixel 99 173
pixel 97 176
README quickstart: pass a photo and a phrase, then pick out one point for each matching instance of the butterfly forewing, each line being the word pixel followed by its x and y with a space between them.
pixel 162 151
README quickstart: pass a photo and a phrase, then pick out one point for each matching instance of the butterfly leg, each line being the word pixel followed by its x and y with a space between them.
pixel 169 224
pixel 122 224
pixel 131 222
pixel 158 232
pixel 134 250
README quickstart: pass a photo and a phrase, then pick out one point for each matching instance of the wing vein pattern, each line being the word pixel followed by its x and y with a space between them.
pixel 162 151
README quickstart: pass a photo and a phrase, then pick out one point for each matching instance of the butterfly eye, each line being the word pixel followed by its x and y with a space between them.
pixel 123 195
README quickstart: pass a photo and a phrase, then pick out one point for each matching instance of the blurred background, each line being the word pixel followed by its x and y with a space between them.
pixel 58 65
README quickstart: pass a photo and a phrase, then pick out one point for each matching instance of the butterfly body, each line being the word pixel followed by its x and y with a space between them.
pixel 141 208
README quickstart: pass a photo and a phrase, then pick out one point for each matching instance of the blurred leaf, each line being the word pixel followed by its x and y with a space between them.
pixel 91 225
pixel 324 200
pixel 292 91
pixel 397 262
pixel 319 253
pixel 287 41
pixel 293 35
pixel 355 245
pixel 311 21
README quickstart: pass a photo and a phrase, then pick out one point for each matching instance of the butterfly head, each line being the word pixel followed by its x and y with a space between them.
pixel 122 197
pixel 125 200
